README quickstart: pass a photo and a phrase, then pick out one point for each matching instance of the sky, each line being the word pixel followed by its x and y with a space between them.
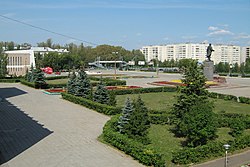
pixel 127 23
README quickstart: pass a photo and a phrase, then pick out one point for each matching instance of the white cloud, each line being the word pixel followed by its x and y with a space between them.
pixel 242 36
pixel 212 28
pixel 165 38
pixel 220 32
pixel 205 41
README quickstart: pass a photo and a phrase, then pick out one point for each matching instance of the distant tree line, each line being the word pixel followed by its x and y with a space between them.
pixel 80 55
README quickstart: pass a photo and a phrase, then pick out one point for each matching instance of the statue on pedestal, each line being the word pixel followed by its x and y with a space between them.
pixel 209 52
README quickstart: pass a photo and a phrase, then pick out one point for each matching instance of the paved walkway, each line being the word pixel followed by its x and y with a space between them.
pixel 233 161
pixel 68 132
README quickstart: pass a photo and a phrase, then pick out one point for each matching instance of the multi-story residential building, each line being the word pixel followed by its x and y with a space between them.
pixel 245 53
pixel 19 61
pixel 222 53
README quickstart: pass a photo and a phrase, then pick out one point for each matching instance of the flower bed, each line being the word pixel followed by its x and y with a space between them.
pixel 56 91
pixel 179 83
pixel 122 87
pixel 162 83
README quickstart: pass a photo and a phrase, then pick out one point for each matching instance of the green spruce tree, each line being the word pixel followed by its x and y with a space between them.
pixel 82 86
pixel 71 83
pixel 39 79
pixel 101 94
pixel 112 98
pixel 125 117
pixel 193 94
pixel 139 122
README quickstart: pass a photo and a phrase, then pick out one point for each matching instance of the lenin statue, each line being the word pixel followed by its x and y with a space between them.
pixel 209 52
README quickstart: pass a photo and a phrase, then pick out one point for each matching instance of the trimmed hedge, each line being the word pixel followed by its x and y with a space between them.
pixel 109 81
pixel 56 77
pixel 34 85
pixel 141 152
pixel 30 84
pixel 244 100
pixel 12 80
pixel 222 96
pixel 210 150
pixel 57 85
pixel 102 108
pixel 144 90
pixel 227 119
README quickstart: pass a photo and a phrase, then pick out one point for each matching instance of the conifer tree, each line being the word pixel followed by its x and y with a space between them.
pixel 101 94
pixel 82 85
pixel 112 98
pixel 139 121
pixel 186 113
pixel 39 79
pixel 125 117
pixel 71 83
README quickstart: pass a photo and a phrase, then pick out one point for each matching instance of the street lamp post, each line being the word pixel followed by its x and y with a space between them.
pixel 115 63
pixel 226 148
pixel 157 66
pixel 230 69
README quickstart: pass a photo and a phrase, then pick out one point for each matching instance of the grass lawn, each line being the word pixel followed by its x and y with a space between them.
pixel 165 100
pixel 58 81
pixel 164 141
pixel 63 81
pixel 154 101
pixel 223 134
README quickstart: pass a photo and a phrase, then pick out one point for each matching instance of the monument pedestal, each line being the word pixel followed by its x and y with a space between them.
pixel 208 70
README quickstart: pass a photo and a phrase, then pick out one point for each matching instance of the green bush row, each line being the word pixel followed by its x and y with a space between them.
pixel 34 85
pixel 109 81
pixel 57 85
pixel 12 80
pixel 56 77
pixel 210 150
pixel 141 152
pixel 222 96
pixel 144 90
pixel 244 100
pixel 102 108
pixel 30 84
pixel 229 120
pixel 159 118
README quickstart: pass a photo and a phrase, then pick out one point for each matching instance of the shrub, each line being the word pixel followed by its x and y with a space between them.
pixel 159 118
pixel 144 90
pixel 56 77
pixel 141 152
pixel 244 100
pixel 210 150
pixel 11 80
pixel 102 108
pixel 30 84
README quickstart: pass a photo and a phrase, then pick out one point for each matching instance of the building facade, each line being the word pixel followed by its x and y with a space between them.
pixel 222 53
pixel 19 61
pixel 245 53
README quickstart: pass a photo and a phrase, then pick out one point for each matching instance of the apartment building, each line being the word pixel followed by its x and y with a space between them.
pixel 222 53
pixel 245 52
pixel 19 61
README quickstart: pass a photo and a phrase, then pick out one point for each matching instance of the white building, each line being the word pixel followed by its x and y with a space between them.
pixel 19 61
pixel 245 52
pixel 222 53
